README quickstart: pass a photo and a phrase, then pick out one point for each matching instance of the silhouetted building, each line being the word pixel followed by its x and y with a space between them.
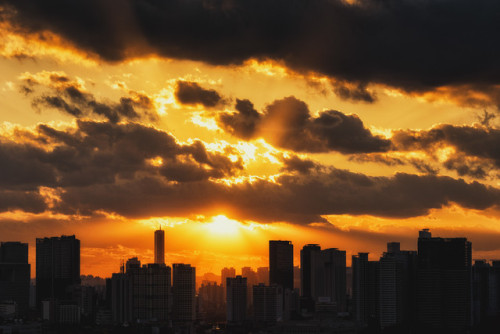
pixel 225 273
pixel 444 283
pixel 481 291
pixel 308 257
pixel 160 246
pixel 330 278
pixel 184 290
pixel 397 287
pixel 121 302
pixel 15 276
pixel 263 275
pixel 281 263
pixel 57 268
pixel 267 304
pixel 365 282
pixel 150 292
pixel 236 299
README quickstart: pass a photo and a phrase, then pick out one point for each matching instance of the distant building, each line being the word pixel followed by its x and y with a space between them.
pixel 236 299
pixel 365 283
pixel 14 277
pixel 225 273
pixel 57 268
pixel 267 304
pixel 444 283
pixel 212 301
pixel 160 246
pixel 263 275
pixel 184 290
pixel 281 263
pixel 397 287
pixel 252 280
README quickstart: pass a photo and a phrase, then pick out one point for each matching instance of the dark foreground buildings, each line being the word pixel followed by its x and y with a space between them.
pixel 444 283
pixel 14 277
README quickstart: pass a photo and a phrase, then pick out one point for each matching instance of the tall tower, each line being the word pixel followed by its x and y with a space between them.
pixel 281 263
pixel 160 246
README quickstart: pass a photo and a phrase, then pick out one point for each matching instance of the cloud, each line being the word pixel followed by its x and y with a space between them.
pixel 56 90
pixel 287 123
pixel 192 93
pixel 300 199
pixel 474 148
pixel 369 41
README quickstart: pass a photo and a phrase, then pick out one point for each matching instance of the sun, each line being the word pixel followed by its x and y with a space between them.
pixel 223 226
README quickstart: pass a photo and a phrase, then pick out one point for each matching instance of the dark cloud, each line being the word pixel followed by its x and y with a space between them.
pixel 296 164
pixel 192 93
pixel 243 122
pixel 473 141
pixel 356 93
pixel 287 123
pixel 295 198
pixel 139 171
pixel 61 93
pixel 417 45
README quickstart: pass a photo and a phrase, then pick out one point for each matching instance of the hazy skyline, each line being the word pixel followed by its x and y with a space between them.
pixel 230 123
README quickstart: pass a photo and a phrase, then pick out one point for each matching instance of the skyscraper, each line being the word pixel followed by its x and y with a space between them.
pixel 331 271
pixel 307 266
pixel 184 289
pixel 236 299
pixel 150 292
pixel 444 283
pixel 365 292
pixel 281 263
pixel 397 287
pixel 15 275
pixel 57 268
pixel 160 246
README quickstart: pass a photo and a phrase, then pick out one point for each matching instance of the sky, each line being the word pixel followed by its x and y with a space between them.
pixel 230 123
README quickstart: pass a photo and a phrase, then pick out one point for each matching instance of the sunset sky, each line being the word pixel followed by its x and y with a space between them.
pixel 232 122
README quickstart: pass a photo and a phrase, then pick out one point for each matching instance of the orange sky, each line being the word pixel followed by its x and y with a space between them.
pixel 409 159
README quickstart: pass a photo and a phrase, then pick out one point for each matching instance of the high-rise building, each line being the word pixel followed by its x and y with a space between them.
pixel 267 304
pixel 150 292
pixel 281 263
pixel 308 257
pixel 57 268
pixel 236 299
pixel 397 287
pixel 15 276
pixel 184 290
pixel 444 283
pixel 481 291
pixel 365 282
pixel 330 277
pixel 120 295
pixel 225 273
pixel 160 246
